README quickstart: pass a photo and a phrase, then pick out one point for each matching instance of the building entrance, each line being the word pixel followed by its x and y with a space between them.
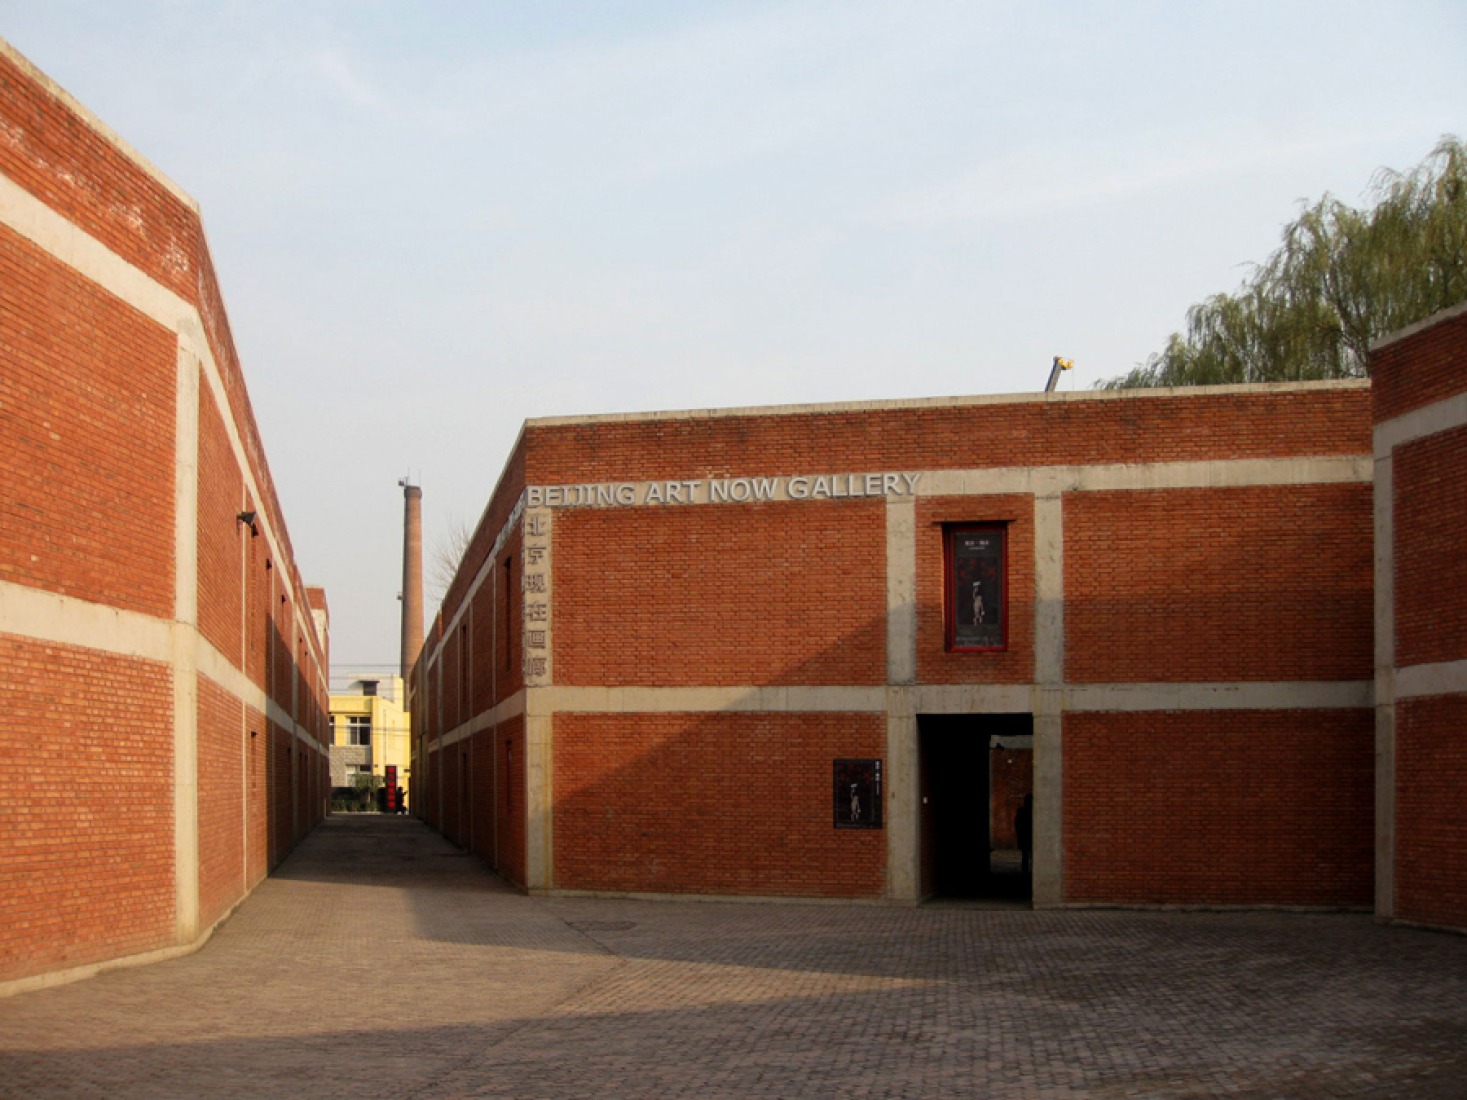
pixel 977 779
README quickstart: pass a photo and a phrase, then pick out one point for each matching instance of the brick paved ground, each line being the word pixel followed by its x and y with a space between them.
pixel 494 994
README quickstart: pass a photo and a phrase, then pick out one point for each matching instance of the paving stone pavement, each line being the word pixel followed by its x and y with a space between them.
pixel 381 961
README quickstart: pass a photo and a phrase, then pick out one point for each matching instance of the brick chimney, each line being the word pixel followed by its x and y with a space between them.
pixel 412 576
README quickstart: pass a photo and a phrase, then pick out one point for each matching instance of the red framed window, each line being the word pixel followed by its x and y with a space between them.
pixel 976 587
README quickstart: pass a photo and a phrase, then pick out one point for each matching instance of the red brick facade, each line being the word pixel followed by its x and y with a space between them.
pixel 675 626
pixel 649 803
pixel 145 626
pixel 1230 808
pixel 1419 383
pixel 1218 584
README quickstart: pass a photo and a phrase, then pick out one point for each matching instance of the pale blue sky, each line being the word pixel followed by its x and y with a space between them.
pixel 433 220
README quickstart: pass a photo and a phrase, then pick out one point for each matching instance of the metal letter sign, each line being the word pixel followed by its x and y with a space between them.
pixel 858 794
pixel 977 589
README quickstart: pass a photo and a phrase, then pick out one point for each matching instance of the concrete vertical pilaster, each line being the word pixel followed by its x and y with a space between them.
pixel 1048 700
pixel 539 789
pixel 903 837
pixel 185 659
pixel 539 676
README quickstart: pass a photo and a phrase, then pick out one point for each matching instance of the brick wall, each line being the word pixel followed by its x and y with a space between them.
pixel 483 790
pixel 257 807
pixel 219 534
pixel 1421 368
pixel 788 593
pixel 1129 428
pixel 711 803
pixel 1224 584
pixel 88 741
pixel 86 416
pixel 1431 825
pixel 510 799
pixel 1230 583
pixel 1431 567
pixel 221 800
pixel 1013 665
pixel 1419 379
pixel 1010 778
pixel 1219 808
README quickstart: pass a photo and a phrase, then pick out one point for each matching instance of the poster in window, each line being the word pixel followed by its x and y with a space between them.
pixel 858 794
pixel 977 588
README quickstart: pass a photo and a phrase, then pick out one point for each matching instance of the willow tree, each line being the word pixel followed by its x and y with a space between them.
pixel 1341 278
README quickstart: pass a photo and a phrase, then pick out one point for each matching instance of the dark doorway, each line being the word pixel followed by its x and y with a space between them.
pixel 976 770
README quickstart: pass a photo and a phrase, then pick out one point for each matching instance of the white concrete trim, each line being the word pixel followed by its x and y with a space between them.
pixel 901 589
pixel 65 620
pixel 185 630
pixel 539 790
pixel 711 700
pixel 1048 821
pixel 1278 695
pixel 1047 701
pixel 1429 420
pixel 1049 481
pixel 973 698
pixel 1049 590
pixel 512 707
pixel 1440 678
pixel 903 798
pixel 1042 481
pixel 937 699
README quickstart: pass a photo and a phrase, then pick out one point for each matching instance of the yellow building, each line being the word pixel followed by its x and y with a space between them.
pixel 369 732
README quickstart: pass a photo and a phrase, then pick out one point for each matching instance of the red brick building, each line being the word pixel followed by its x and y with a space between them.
pixel 802 651
pixel 1419 379
pixel 162 716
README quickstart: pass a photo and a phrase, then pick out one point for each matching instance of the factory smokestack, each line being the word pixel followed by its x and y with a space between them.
pixel 412 575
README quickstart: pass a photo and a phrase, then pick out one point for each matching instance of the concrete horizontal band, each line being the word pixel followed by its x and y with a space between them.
pixel 939 699
pixel 1276 695
pixel 1220 474
pixel 1429 420
pixel 65 620
pixel 1044 481
pixel 1442 678
pixel 48 617
pixel 972 699
pixel 697 700
pixel 512 707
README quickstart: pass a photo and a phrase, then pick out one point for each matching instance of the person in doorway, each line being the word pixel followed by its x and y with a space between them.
pixel 401 802
pixel 1024 832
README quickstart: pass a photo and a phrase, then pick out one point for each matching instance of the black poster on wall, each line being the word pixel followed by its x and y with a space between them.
pixel 858 794
pixel 976 588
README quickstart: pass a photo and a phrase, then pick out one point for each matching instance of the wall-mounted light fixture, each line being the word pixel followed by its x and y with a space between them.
pixel 248 519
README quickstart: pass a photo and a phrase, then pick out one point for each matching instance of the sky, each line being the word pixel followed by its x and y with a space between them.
pixel 434 220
